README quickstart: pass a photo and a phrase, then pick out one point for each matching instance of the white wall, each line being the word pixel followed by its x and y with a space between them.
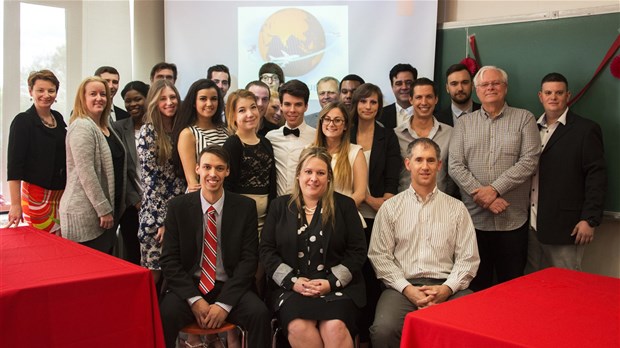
pixel 475 10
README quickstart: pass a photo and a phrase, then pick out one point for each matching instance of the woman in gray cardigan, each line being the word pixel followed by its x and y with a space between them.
pixel 95 166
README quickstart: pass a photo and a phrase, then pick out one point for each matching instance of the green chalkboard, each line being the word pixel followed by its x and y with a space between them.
pixel 528 51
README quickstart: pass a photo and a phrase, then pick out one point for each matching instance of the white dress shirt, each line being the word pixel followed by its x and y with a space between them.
pixel 412 238
pixel 286 151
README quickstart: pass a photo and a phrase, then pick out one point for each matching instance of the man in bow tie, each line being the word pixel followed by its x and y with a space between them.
pixel 294 136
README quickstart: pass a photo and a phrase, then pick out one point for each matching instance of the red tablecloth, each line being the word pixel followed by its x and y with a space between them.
pixel 57 293
pixel 550 308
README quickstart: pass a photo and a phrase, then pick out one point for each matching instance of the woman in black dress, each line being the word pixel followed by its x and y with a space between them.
pixel 313 248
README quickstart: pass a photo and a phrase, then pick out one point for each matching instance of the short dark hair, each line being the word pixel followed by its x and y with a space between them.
pixel 45 75
pixel 138 86
pixel 365 90
pixel 106 69
pixel 457 67
pixel 163 65
pixel 216 150
pixel 351 77
pixel 258 83
pixel 554 77
pixel 271 68
pixel 295 88
pixel 423 81
pixel 398 68
pixel 218 68
pixel 425 142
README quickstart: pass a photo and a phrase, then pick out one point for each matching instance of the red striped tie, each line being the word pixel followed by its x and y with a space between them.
pixel 207 271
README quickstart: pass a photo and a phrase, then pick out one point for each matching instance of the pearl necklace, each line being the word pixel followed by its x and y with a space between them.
pixel 309 211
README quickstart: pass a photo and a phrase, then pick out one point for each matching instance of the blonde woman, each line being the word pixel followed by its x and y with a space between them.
pixel 313 248
pixel 160 181
pixel 94 196
pixel 252 166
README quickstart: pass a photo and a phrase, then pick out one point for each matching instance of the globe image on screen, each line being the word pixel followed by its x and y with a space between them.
pixel 294 39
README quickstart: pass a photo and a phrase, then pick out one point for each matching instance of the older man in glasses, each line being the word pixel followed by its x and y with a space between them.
pixel 493 154
pixel 327 90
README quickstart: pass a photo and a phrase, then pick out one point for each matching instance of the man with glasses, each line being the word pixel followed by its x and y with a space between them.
pixel 401 79
pixel 459 86
pixel 327 91
pixel 493 154
pixel 272 75
pixel 422 124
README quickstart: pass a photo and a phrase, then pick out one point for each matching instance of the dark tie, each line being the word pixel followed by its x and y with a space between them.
pixel 288 131
pixel 207 266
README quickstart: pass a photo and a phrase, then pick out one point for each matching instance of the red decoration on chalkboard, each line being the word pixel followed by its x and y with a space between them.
pixel 471 65
pixel 615 67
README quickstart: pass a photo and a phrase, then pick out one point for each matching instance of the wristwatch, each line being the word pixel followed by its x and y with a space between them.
pixel 592 222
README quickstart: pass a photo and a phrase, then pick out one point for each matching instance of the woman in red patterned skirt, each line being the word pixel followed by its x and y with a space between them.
pixel 36 157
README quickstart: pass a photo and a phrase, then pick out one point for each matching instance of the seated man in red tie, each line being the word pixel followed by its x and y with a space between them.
pixel 210 255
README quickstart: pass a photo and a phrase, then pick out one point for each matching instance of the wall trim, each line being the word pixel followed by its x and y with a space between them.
pixel 540 16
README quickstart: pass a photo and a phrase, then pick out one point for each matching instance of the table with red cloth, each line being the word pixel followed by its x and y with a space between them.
pixel 57 293
pixel 550 308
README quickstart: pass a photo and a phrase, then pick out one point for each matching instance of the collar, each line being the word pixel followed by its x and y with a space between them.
pixel 458 112
pixel 542 120
pixel 419 198
pixel 409 110
pixel 406 126
pixel 501 113
pixel 219 205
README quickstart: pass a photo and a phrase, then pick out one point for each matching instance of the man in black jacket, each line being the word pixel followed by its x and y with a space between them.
pixel 459 85
pixel 568 190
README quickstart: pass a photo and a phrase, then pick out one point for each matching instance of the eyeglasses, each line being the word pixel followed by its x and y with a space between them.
pixel 493 84
pixel 270 78
pixel 336 121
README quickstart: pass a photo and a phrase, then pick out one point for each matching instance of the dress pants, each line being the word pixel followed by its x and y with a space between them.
pixel 250 313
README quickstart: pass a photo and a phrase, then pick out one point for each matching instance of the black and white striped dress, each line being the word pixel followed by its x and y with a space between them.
pixel 206 137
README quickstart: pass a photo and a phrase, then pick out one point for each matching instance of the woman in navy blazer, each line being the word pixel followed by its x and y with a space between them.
pixel 382 153
pixel 313 248
pixel 36 157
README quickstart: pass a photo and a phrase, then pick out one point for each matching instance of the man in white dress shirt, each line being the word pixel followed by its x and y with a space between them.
pixel 423 246
pixel 289 140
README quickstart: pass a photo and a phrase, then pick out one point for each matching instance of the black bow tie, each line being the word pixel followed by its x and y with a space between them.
pixel 288 131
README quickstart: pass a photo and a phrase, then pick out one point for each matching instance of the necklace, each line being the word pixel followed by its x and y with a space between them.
pixel 48 125
pixel 309 211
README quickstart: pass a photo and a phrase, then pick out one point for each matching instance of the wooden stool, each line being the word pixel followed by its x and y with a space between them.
pixel 194 329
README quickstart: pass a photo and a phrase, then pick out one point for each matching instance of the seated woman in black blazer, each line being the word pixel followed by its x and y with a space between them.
pixel 313 248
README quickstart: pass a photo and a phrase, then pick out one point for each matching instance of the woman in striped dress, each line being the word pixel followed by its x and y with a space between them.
pixel 199 124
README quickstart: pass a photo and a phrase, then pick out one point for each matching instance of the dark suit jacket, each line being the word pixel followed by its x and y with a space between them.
pixel 184 237
pixel 572 179
pixel 385 161
pixel 388 116
pixel 125 130
pixel 120 113
pixel 346 243
pixel 445 115
pixel 32 151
